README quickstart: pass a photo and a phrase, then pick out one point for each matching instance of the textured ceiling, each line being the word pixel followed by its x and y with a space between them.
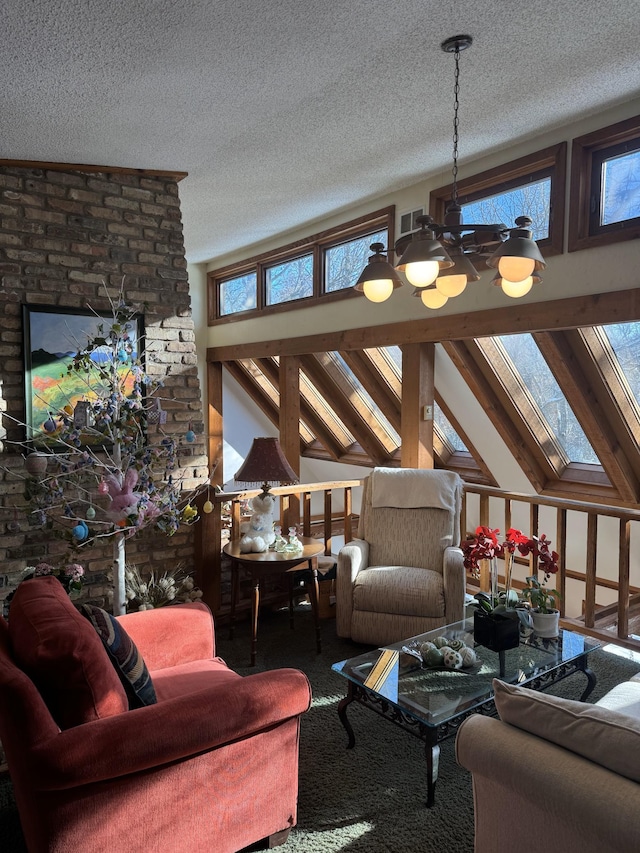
pixel 282 111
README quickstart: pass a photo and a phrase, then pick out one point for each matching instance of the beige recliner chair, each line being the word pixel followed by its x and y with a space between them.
pixel 404 575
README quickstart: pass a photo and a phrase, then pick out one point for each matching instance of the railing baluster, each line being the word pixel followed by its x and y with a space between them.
pixel 623 577
pixel 590 581
pixel 561 550
pixel 348 522
pixel 328 533
pixel 306 513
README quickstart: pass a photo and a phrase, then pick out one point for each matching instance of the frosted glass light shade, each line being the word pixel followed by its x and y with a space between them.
pixel 422 273
pixel 451 285
pixel 378 290
pixel 433 298
pixel 515 268
pixel 515 289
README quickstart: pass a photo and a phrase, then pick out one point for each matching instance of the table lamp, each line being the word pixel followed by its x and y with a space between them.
pixel 266 465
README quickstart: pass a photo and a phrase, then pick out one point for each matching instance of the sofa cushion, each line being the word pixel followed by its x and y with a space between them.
pixel 124 655
pixel 62 654
pixel 606 737
pixel 193 677
pixel 405 590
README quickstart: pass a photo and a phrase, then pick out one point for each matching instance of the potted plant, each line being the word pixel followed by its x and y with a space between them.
pixel 500 605
pixel 493 626
pixel 545 615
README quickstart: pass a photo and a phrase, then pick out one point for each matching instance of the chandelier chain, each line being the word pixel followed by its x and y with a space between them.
pixel 456 124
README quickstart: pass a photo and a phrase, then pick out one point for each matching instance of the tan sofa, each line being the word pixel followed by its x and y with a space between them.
pixel 555 775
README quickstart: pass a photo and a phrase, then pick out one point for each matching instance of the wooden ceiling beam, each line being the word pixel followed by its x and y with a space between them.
pixel 343 406
pixel 573 312
pixel 458 352
pixel 369 375
pixel 476 461
pixel 316 425
pixel 595 389
pixel 416 449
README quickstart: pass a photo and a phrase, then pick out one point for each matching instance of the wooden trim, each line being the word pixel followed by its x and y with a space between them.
pixel 572 312
pixel 86 167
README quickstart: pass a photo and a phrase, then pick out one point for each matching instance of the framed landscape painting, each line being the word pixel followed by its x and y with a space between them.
pixel 52 337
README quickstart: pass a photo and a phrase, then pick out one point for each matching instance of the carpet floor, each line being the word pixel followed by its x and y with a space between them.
pixel 370 799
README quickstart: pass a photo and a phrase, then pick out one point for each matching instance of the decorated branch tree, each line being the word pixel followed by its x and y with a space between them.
pixel 102 466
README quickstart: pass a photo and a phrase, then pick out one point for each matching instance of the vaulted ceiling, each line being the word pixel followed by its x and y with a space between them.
pixel 283 112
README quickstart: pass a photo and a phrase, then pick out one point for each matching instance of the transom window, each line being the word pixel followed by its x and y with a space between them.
pixel 323 267
pixel 605 183
pixel 618 186
pixel 532 186
pixel 532 199
pixel 290 280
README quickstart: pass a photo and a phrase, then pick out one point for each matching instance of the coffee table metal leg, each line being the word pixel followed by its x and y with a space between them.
pixel 432 754
pixel 255 608
pixel 591 678
pixel 343 704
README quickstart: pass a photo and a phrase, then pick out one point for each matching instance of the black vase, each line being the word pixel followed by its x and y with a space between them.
pixel 496 631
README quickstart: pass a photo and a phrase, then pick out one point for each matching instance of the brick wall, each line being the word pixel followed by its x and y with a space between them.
pixel 64 235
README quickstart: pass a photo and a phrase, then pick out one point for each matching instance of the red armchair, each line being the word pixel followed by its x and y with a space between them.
pixel 213 766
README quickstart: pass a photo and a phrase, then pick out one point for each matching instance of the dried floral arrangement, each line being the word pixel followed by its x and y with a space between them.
pixel 148 593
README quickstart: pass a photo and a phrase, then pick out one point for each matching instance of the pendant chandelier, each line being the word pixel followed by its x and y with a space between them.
pixel 435 259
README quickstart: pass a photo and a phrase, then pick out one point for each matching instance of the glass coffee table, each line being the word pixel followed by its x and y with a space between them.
pixel 432 703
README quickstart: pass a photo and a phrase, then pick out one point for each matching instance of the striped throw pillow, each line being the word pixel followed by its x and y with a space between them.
pixel 124 656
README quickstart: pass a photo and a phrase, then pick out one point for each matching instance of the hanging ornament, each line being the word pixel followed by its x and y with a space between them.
pixel 80 531
pixel 122 355
pixel 90 513
pixel 190 435
pixel 207 507
pixel 103 489
pixel 36 463
pixel 49 425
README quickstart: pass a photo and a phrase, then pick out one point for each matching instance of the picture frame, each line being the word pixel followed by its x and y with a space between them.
pixel 52 336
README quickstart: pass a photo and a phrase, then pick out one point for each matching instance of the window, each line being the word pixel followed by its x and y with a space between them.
pixel 531 186
pixel 238 294
pixel 538 379
pixel 445 427
pixel 619 188
pixel 322 267
pixel 345 262
pixel 291 280
pixel 532 199
pixel 605 186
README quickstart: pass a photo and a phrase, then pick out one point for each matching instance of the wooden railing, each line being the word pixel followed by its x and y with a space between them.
pixel 598 545
pixel 589 538
pixel 224 520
